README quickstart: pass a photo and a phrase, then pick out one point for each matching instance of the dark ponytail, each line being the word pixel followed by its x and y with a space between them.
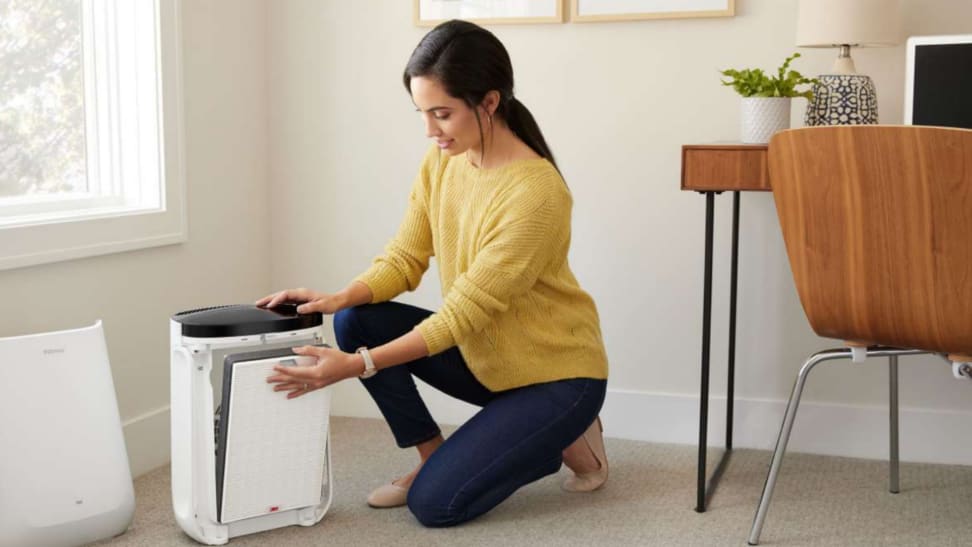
pixel 469 61
pixel 521 121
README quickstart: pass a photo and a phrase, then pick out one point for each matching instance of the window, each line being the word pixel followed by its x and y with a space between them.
pixel 90 128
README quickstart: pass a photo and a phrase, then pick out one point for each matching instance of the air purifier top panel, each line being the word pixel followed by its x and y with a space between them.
pixel 243 320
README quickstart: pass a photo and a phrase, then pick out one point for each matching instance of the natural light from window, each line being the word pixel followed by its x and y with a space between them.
pixel 83 123
pixel 41 99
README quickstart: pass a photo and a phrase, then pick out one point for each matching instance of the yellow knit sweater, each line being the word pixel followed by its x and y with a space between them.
pixel 501 237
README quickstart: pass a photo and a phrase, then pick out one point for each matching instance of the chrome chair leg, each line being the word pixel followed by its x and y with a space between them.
pixel 791 409
pixel 783 439
pixel 893 407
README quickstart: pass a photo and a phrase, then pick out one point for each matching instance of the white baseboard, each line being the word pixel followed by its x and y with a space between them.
pixel 147 440
pixel 928 436
pixel 857 431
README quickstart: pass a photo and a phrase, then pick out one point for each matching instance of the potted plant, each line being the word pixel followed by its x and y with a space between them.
pixel 766 99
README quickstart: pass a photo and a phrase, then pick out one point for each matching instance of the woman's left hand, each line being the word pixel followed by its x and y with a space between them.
pixel 332 366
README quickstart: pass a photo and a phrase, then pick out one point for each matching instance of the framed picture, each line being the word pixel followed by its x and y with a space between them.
pixel 629 10
pixel 429 13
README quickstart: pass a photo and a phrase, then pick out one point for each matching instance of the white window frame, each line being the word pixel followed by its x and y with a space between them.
pixel 123 209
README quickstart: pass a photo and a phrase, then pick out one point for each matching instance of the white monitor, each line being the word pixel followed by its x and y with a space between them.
pixel 938 76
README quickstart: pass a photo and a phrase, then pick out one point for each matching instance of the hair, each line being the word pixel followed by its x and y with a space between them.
pixel 469 61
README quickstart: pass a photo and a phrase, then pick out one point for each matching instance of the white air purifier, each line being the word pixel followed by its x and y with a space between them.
pixel 259 460
pixel 64 474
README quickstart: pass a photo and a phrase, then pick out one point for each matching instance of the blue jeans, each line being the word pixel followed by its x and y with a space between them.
pixel 516 438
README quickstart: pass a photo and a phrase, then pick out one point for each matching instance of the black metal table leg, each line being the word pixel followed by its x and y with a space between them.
pixel 730 386
pixel 706 335
pixel 704 492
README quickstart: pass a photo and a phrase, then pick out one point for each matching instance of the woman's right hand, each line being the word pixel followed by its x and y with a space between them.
pixel 311 301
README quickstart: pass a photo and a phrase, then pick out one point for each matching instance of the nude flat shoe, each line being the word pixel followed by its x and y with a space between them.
pixel 592 480
pixel 388 495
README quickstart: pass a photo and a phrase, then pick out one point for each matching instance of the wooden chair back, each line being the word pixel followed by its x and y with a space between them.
pixel 877 222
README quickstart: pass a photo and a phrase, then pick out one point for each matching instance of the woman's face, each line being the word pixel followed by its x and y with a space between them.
pixel 448 121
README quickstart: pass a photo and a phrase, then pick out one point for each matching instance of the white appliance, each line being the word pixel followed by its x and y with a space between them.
pixel 64 474
pixel 259 461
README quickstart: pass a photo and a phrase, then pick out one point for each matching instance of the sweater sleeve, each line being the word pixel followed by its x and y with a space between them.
pixel 524 236
pixel 406 256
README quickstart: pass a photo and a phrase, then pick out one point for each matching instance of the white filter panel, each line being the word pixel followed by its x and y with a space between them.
pixel 275 447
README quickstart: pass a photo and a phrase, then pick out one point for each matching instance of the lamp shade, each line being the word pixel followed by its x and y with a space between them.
pixel 830 23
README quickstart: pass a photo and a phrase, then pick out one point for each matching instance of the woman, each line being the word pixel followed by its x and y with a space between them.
pixel 515 335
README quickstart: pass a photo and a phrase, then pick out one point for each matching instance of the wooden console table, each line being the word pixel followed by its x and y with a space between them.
pixel 711 169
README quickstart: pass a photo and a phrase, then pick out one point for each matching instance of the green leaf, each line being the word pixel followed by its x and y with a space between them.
pixel 755 83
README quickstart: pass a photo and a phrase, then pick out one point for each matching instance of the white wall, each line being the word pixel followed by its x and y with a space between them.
pixel 616 102
pixel 225 257
pixel 300 147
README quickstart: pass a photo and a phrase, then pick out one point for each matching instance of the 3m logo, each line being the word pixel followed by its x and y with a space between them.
pixel 275 508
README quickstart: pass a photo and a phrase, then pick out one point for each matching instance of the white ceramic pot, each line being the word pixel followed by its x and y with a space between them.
pixel 763 116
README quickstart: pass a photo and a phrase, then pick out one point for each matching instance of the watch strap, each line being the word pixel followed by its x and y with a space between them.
pixel 369 363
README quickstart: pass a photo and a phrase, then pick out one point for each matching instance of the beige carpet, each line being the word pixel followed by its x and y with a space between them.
pixel 648 500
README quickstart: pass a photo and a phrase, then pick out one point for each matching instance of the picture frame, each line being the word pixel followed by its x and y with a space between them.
pixel 592 11
pixel 428 13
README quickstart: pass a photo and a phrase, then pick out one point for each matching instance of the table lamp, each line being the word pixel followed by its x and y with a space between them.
pixel 844 97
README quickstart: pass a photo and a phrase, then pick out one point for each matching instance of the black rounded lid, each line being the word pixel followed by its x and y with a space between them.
pixel 242 320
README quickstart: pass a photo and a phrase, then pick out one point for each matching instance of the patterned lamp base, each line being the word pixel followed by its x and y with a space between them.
pixel 842 99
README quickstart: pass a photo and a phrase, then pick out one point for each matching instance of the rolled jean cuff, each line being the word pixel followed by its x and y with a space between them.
pixel 420 440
